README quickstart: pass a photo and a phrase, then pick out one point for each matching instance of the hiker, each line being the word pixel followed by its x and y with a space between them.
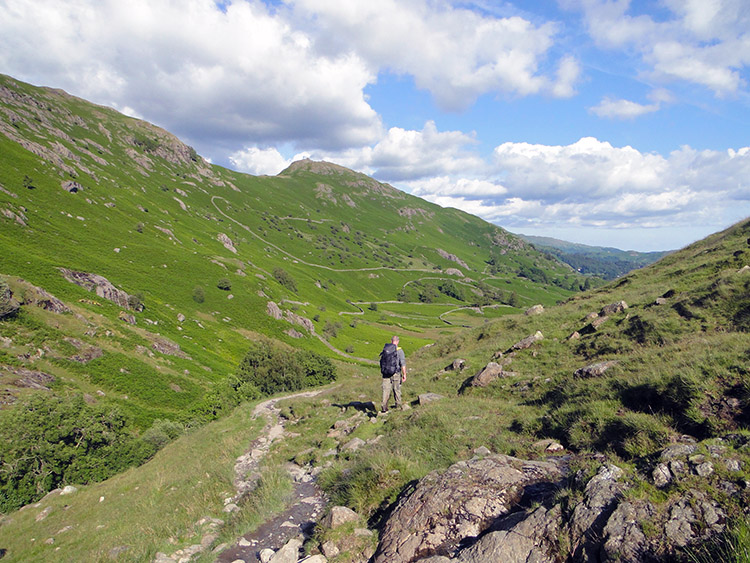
pixel 393 370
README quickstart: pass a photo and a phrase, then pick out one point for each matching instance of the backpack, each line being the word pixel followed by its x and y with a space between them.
pixel 389 360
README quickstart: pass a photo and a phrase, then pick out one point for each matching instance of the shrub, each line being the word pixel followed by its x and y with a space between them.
pixel 135 301
pixel 271 369
pixel 47 441
pixel 224 284
pixel 199 295
pixel 285 279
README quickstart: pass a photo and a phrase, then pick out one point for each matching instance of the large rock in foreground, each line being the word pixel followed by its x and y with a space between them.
pixel 461 503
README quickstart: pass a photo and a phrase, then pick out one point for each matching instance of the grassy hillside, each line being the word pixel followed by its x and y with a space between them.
pixel 202 262
pixel 679 354
pixel 605 262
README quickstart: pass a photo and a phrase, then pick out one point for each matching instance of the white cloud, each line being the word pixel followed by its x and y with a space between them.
pixel 219 77
pixel 590 183
pixel 705 42
pixel 257 161
pixel 622 109
pixel 454 53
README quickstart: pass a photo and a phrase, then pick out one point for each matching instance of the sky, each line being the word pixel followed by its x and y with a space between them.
pixel 619 123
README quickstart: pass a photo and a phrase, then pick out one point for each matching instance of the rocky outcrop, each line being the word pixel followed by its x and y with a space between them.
pixel 227 242
pixel 613 309
pixel 274 310
pixel 40 298
pixel 452 258
pixel 603 523
pixel 535 310
pixel 99 285
pixel 31 379
pixel 446 508
pixel 169 348
pixel 487 375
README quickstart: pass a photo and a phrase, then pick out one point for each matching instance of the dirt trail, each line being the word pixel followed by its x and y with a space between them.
pixel 305 509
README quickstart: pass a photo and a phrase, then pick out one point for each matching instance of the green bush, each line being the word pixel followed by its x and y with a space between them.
pixel 285 279
pixel 48 441
pixel 199 296
pixel 224 284
pixel 271 369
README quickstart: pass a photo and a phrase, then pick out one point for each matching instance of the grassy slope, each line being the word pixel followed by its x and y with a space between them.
pixel 147 217
pixel 674 376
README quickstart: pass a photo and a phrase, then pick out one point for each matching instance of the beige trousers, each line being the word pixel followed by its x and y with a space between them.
pixel 393 382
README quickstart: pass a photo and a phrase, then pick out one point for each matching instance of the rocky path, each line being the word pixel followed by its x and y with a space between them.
pixel 299 519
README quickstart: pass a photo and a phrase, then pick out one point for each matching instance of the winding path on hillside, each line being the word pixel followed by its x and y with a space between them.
pixel 308 500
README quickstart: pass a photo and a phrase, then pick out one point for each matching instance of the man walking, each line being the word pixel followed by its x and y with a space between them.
pixel 393 370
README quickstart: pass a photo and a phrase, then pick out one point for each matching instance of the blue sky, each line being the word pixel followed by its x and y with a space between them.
pixel 607 122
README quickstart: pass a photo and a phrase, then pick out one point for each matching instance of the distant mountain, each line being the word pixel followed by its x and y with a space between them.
pixel 605 262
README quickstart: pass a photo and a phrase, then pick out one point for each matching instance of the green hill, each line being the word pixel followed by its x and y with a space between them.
pixel 605 262
pixel 615 375
pixel 167 268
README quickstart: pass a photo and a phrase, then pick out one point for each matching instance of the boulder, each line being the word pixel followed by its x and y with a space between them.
pixel 425 398
pixel 624 539
pixel 289 553
pixel 456 365
pixel 227 242
pixel 127 317
pixel 461 503
pixel 535 310
pixel 528 341
pixel 353 445
pixel 613 309
pixel 339 515
pixel 487 375
pixel 594 370
pixel 71 186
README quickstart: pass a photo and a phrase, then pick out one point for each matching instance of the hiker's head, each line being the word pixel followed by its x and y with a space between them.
pixel 394 339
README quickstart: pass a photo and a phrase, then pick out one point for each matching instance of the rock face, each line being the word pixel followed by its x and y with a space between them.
pixel 98 284
pixel 613 309
pixel 461 503
pixel 40 298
